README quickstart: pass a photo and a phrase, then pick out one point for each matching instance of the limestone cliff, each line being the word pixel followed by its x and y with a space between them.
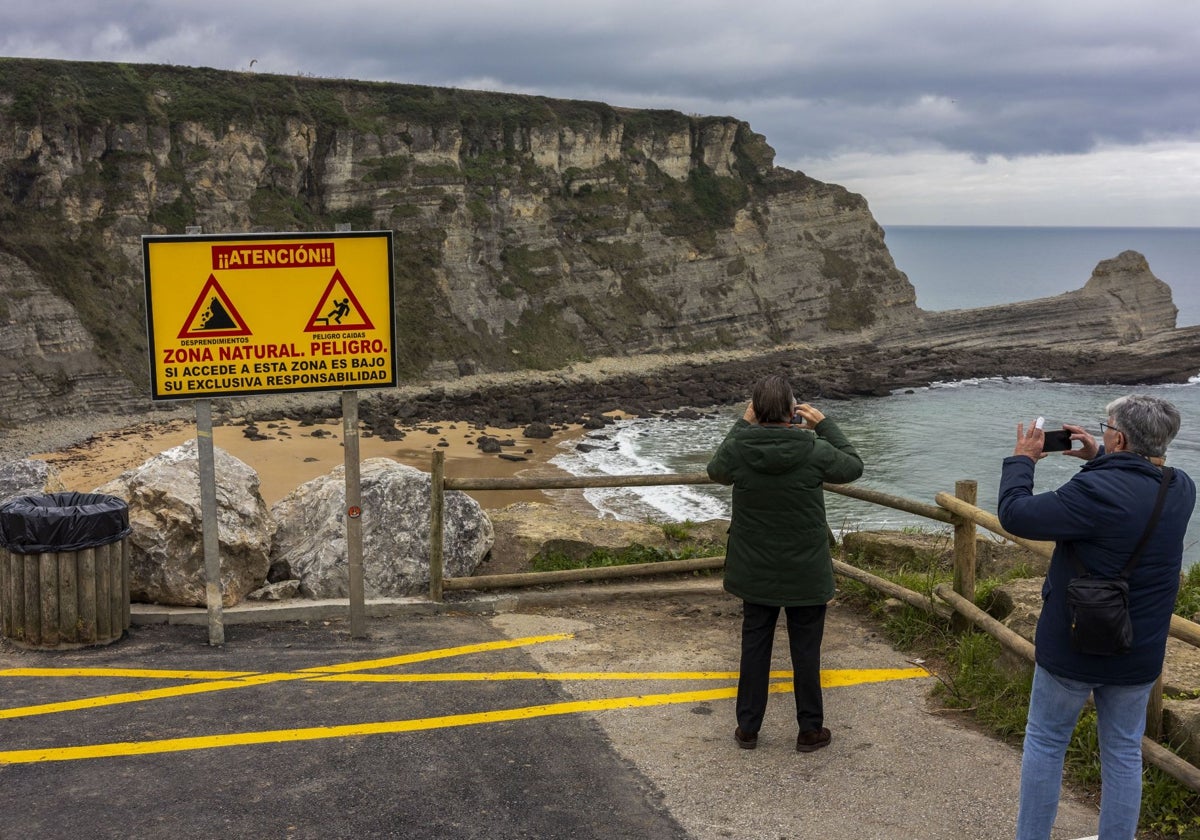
pixel 529 232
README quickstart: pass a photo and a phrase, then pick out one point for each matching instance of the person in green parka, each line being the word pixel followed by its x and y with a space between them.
pixel 777 457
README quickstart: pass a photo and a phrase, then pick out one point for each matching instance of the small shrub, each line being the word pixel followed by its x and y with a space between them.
pixel 628 556
pixel 678 531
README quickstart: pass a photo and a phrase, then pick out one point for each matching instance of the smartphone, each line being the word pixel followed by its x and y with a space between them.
pixel 1058 440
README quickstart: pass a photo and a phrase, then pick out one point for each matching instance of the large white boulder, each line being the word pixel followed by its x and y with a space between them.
pixel 311 532
pixel 167 545
pixel 28 477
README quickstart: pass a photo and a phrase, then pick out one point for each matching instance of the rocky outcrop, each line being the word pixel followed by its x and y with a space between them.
pixel 529 531
pixel 167 545
pixel 1121 304
pixel 28 477
pixel 529 232
pixel 310 540
pixel 896 549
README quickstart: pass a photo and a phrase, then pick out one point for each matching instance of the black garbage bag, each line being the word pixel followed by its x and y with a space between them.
pixel 62 522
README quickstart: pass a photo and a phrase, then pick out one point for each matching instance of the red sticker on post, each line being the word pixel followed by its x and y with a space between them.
pixel 354 512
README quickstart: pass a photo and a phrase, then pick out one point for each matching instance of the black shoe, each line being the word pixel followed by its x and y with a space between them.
pixel 746 742
pixel 813 740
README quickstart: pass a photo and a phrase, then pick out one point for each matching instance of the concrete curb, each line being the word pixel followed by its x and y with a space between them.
pixel 479 603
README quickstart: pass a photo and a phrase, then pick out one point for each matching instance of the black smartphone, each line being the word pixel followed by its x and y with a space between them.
pixel 1058 440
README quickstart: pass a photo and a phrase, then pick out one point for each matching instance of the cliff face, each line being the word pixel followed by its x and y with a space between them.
pixel 529 232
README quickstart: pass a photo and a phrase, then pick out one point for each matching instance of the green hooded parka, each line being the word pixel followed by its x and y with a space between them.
pixel 778 548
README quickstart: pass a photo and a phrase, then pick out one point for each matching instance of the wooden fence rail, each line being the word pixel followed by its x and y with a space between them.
pixel 956 602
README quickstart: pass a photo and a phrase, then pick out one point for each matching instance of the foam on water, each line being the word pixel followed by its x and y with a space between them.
pixel 638 447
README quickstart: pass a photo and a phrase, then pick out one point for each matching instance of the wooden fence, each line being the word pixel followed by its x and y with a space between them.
pixel 956 601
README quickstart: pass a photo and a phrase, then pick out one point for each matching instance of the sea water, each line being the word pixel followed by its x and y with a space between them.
pixel 917 443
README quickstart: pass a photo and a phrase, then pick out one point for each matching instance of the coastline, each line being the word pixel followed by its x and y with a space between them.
pixel 287 453
pixel 407 423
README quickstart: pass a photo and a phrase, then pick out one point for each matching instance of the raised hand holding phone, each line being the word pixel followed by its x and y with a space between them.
pixel 1057 440
pixel 806 415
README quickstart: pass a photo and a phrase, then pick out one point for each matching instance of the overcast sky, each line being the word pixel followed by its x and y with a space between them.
pixel 937 111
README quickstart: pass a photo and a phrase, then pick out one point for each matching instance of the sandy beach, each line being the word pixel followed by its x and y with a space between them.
pixel 286 453
pixel 91 450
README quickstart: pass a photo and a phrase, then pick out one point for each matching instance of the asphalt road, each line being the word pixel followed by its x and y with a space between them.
pixel 604 720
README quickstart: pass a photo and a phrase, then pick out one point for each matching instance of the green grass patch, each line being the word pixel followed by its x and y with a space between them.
pixel 633 554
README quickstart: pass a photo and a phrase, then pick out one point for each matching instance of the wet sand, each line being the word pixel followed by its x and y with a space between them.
pixel 286 454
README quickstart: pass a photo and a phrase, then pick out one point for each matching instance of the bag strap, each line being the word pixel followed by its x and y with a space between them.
pixel 1168 473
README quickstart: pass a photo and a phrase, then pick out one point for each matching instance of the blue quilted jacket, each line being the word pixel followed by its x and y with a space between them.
pixel 1103 510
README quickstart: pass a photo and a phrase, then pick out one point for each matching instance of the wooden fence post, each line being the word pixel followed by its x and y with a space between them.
pixel 964 552
pixel 1154 710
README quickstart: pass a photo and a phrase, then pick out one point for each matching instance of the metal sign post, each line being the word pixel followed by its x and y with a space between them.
pixel 213 593
pixel 354 550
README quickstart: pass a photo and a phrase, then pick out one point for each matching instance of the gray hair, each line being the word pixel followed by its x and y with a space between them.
pixel 1148 423
pixel 773 399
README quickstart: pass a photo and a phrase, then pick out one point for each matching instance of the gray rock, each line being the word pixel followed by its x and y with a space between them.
pixel 28 477
pixel 1017 605
pixel 311 535
pixel 167 546
pixel 538 430
pixel 1181 727
pixel 284 590
pixel 528 530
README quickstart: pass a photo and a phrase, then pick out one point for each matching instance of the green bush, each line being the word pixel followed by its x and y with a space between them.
pixel 625 557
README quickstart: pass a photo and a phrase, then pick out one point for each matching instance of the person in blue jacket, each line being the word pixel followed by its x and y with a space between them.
pixel 776 457
pixel 1102 511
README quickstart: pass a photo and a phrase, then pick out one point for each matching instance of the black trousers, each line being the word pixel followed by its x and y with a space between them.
pixel 805 628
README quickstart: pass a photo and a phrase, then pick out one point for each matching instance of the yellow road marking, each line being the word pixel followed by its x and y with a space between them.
pixel 396 726
pixel 135 673
pixel 441 653
pixel 829 679
pixel 835 679
pixel 252 679
pixel 556 676
pixel 140 696
pixel 346 672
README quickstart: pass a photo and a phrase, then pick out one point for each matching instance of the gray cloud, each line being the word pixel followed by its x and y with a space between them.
pixel 820 79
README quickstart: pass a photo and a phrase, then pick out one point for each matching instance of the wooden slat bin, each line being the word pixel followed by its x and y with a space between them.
pixel 68 595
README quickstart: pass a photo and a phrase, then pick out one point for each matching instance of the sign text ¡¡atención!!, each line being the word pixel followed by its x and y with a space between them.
pixel 267 313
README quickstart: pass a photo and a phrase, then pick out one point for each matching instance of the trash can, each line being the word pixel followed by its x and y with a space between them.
pixel 64 574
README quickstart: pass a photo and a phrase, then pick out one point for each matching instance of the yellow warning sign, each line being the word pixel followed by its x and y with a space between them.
pixel 256 314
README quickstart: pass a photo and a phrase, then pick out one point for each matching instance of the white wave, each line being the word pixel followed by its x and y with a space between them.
pixel 644 447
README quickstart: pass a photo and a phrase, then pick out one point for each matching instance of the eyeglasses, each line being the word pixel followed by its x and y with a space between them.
pixel 1105 427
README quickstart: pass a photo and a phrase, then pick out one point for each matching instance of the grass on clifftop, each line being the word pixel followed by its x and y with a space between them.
pixel 977 678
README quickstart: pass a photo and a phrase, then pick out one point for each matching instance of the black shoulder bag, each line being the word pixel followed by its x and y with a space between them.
pixel 1099 607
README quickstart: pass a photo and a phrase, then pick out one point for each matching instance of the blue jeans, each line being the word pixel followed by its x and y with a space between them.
pixel 1054 707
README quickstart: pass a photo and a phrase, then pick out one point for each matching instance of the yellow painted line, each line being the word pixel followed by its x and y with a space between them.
pixel 835 679
pixel 553 676
pixel 141 696
pixel 130 748
pixel 264 679
pixel 441 653
pixel 134 673
pixel 829 679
